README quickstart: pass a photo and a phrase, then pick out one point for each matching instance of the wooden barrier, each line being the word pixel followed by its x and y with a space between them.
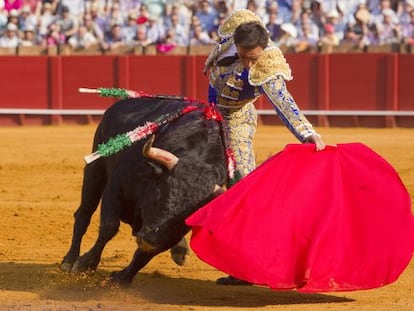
pixel 360 89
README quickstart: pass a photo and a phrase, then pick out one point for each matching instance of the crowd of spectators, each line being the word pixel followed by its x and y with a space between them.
pixel 298 24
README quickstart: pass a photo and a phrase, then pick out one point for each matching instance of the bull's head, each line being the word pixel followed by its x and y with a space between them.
pixel 161 156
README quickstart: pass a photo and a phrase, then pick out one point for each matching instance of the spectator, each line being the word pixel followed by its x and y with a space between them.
pixel 93 27
pixel 155 30
pixel 286 9
pixel 408 31
pixel 29 37
pixel 129 5
pixel 184 15
pixel 82 39
pixel 10 39
pixel 404 16
pixel 3 18
pixel 76 7
pixel 236 5
pixel 33 5
pixel 219 21
pixel 347 9
pixel 273 26
pixel 114 39
pixel 115 17
pixel 27 19
pixel 199 36
pixel 206 14
pixel 271 8
pixel 377 15
pixel 306 40
pixel 330 38
pixel 259 7
pixel 316 15
pixel 102 7
pixel 45 18
pixel 252 6
pixel 13 5
pixel 141 37
pixel 99 18
pixel 143 15
pixel 54 37
pixel 222 8
pixel 373 5
pixel 336 20
pixel 306 19
pixel 374 36
pixel 179 34
pixel 14 18
pixel 327 6
pixel 169 43
pixel 295 13
pixel 289 36
pixel 68 23
pixel 356 33
pixel 389 31
pixel 129 29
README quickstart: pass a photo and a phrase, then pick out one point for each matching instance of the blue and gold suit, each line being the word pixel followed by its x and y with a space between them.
pixel 234 90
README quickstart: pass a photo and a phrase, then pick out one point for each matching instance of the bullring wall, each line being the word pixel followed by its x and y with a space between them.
pixel 373 90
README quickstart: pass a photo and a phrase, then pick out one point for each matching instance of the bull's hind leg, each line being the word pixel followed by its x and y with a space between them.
pixel 94 180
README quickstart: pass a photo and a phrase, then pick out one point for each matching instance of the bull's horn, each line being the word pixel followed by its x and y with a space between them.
pixel 219 189
pixel 162 156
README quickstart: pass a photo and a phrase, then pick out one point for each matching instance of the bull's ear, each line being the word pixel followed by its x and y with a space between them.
pixel 163 157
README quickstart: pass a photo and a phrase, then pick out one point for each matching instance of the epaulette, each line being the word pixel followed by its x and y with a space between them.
pixel 239 17
pixel 270 64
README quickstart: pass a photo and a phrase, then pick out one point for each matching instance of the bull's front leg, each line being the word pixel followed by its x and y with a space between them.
pixel 140 259
pixel 179 252
pixel 109 226
pixel 93 184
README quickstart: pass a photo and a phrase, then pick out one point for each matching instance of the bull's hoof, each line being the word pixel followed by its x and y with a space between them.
pixel 80 266
pixel 66 266
pixel 120 278
pixel 179 255
pixel 77 268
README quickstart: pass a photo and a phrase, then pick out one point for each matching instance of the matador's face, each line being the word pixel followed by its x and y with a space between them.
pixel 249 56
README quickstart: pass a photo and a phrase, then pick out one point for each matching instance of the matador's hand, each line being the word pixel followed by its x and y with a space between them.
pixel 317 140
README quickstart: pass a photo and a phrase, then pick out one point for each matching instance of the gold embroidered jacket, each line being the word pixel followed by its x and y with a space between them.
pixel 234 86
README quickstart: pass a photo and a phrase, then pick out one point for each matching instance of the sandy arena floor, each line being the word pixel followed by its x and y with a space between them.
pixel 40 181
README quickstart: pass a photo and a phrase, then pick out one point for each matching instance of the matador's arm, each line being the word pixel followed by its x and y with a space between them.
pixel 285 106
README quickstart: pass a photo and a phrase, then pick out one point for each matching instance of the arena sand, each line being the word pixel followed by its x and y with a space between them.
pixel 40 182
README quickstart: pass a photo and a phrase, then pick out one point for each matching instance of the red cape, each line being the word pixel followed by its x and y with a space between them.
pixel 334 220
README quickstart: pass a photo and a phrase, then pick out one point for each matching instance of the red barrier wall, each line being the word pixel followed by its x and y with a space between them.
pixel 321 82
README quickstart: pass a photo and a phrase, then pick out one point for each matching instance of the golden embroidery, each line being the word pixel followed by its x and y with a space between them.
pixel 270 64
pixel 287 109
pixel 241 124
pixel 233 104
pixel 230 93
pixel 235 83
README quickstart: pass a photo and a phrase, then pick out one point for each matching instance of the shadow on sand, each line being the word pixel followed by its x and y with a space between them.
pixel 49 282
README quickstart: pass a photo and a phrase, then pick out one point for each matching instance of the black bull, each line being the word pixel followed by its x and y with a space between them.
pixel 153 199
